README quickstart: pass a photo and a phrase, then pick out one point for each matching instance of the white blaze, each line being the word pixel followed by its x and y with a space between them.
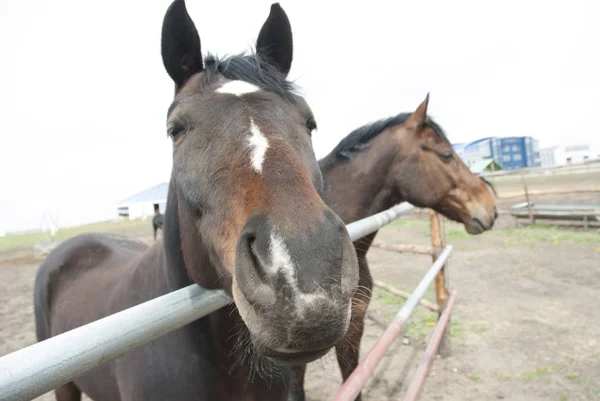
pixel 237 88
pixel 281 260
pixel 259 145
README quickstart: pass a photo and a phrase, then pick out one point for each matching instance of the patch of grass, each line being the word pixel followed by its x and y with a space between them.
pixel 591 390
pixel 548 233
pixel 31 238
pixel 457 234
pixel 563 398
pixel 538 372
pixel 479 329
pixel 429 320
pixel 387 298
pixel 505 377
pixel 420 324
pixel 410 223
pixel 474 377
pixel 456 329
pixel 574 377
pixel 415 329
pixel 457 332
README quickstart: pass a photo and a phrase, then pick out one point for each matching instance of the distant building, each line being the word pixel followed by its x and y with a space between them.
pixel 143 204
pixel 480 149
pixel 510 153
pixel 548 156
pixel 514 153
pixel 569 154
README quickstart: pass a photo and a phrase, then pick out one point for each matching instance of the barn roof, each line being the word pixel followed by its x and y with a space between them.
pixel 155 194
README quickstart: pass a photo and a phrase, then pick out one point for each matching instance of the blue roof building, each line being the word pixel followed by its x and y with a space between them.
pixel 477 150
pixel 145 203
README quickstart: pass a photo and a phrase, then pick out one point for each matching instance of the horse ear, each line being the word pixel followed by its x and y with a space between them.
pixel 418 117
pixel 274 44
pixel 180 44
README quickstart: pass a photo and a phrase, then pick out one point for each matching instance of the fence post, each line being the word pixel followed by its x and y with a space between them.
pixel 441 291
pixel 529 206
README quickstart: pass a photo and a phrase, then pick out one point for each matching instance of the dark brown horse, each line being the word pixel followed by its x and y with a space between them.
pixel 243 214
pixel 406 158
pixel 157 222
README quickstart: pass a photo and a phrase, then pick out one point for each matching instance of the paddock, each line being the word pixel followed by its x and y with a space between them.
pixel 41 367
pixel 522 329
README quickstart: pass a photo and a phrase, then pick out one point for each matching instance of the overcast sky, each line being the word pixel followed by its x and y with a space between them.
pixel 83 92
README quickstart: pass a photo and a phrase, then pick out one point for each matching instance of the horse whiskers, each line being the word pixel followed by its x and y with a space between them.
pixel 246 353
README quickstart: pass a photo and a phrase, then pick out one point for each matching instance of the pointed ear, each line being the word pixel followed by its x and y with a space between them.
pixel 274 44
pixel 418 117
pixel 180 44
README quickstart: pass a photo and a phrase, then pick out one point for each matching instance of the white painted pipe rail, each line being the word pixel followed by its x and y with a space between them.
pixel 370 224
pixel 41 367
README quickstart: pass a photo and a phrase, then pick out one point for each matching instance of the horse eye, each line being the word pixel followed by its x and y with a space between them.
pixel 446 156
pixel 175 131
pixel 311 125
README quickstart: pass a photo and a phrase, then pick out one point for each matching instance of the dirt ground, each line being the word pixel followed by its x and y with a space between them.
pixel 525 326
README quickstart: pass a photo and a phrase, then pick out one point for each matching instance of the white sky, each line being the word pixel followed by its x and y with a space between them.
pixel 83 92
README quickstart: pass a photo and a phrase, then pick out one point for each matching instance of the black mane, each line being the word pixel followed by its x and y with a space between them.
pixel 249 68
pixel 358 139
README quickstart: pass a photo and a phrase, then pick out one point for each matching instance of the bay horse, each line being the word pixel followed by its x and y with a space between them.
pixel 404 158
pixel 243 214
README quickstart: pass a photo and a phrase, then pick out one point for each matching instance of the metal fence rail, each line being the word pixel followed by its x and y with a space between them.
pixel 43 366
pixel 354 384
pixel 414 389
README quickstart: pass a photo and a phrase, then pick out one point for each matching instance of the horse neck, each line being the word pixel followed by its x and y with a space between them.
pixel 359 187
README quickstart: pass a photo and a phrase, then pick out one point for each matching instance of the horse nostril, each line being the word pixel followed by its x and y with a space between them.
pixel 255 258
pixel 250 270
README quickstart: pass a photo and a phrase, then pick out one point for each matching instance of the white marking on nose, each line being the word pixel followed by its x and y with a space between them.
pixel 281 261
pixel 237 88
pixel 259 145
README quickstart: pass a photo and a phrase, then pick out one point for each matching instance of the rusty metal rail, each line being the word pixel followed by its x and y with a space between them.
pixel 354 384
pixel 416 385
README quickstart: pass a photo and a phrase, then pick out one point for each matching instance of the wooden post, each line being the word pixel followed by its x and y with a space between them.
pixel 529 206
pixel 441 292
